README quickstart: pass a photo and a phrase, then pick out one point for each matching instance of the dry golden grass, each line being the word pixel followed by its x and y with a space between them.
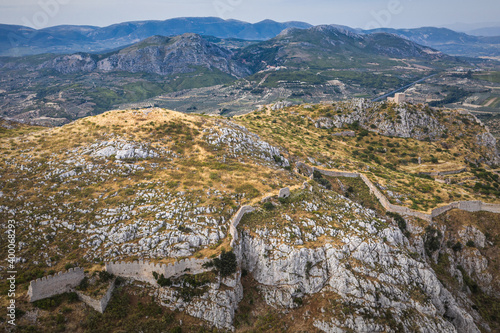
pixel 441 167
pixel 293 129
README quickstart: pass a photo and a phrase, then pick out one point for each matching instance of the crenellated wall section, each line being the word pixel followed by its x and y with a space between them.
pixel 143 270
pixel 56 284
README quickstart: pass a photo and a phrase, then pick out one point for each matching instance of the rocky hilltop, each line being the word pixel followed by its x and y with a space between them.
pixel 256 222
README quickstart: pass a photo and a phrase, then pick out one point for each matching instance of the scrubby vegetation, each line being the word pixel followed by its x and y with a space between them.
pixel 199 170
pixel 225 265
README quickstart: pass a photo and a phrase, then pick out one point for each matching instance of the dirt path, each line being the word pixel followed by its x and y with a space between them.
pixel 491 101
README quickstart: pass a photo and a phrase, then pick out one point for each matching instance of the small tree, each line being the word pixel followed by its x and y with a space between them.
pixel 225 265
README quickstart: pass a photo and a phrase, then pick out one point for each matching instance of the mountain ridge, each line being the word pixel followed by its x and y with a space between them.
pixel 159 65
pixel 20 40
pixel 157 55
pixel 448 41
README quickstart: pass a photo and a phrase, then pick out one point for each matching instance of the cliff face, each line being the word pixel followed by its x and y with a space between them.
pixel 369 264
pixel 489 143
pixel 155 55
pixel 216 306
pixel 173 56
pixel 73 63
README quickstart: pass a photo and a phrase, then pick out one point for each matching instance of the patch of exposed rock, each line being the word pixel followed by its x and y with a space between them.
pixel 217 305
pixel 369 265
pixel 156 55
pixel 408 123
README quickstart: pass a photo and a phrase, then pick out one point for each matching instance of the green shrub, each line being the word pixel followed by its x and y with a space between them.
pixel 457 247
pixel 214 176
pixel 162 281
pixel 225 265
pixel 432 239
pixel 471 243
pixel 84 284
pixel 399 220
pixel 249 190
pixel 268 206
pixel 318 177
pixel 469 282
pixel 105 276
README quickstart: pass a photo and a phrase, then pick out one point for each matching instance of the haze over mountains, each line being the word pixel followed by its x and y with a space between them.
pixel 489 31
pixel 19 40
pixel 239 65
pixel 67 87
pixel 449 41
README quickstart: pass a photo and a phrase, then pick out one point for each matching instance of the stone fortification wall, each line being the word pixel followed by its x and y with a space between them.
pixel 444 173
pixel 492 208
pixel 143 270
pixel 236 220
pixel 98 304
pixel 337 173
pixel 52 285
pixel 470 206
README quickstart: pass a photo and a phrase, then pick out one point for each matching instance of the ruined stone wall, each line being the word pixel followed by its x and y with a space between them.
pixel 444 173
pixel 56 284
pixel 440 210
pixel 389 206
pixel 337 173
pixel 307 168
pixel 236 220
pixel 470 206
pixel 143 270
pixel 493 208
pixel 98 304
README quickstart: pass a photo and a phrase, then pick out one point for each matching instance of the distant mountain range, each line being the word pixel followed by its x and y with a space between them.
pixel 74 85
pixel 449 41
pixel 320 47
pixel 155 55
pixel 19 40
pixel 324 47
pixel 489 31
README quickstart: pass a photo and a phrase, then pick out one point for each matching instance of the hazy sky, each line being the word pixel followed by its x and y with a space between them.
pixel 354 13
